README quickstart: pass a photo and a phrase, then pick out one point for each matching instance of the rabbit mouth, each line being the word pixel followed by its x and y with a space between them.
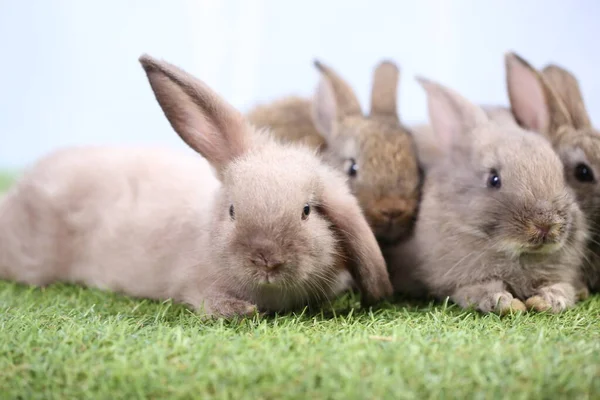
pixel 543 248
pixel 391 233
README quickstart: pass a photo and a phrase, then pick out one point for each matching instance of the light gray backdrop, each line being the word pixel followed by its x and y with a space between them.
pixel 69 72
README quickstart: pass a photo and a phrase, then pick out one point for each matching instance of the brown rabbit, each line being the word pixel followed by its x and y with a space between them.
pixel 551 103
pixel 375 151
pixel 275 229
pixel 497 225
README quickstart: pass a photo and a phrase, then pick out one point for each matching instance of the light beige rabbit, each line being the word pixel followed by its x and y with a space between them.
pixel 550 102
pixel 275 229
pixel 498 226
pixel 376 151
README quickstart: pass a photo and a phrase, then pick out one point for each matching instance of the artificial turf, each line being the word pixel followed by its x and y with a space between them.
pixel 65 342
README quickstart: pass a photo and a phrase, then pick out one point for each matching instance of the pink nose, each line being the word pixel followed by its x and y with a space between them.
pixel 265 260
pixel 543 230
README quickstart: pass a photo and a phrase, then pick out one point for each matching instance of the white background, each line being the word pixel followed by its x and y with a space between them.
pixel 69 72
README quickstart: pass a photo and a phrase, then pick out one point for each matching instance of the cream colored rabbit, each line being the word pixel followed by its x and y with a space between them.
pixel 275 229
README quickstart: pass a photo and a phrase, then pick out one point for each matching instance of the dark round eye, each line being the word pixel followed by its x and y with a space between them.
pixel 305 211
pixel 494 179
pixel 583 173
pixel 352 167
pixel 231 212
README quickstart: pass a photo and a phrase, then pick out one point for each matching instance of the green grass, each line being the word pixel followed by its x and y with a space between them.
pixel 69 342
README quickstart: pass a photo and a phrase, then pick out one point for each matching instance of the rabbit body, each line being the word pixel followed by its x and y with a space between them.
pixel 497 225
pixel 261 225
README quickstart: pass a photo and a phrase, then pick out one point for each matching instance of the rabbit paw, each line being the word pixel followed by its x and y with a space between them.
pixel 501 303
pixel 229 307
pixel 235 307
pixel 555 298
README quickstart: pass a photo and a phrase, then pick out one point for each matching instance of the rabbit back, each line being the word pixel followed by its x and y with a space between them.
pixel 129 220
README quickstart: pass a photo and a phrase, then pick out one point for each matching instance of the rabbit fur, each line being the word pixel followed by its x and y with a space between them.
pixel 260 226
pixel 550 102
pixel 376 151
pixel 497 225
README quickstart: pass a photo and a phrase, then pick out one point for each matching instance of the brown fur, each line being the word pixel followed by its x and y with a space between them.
pixel 550 102
pixel 157 223
pixel 388 180
pixel 478 244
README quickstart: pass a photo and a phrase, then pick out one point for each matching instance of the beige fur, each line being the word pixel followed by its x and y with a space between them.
pixel 491 247
pixel 157 223
pixel 550 102
pixel 387 184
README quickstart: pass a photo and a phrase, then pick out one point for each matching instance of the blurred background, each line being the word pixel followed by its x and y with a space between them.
pixel 69 72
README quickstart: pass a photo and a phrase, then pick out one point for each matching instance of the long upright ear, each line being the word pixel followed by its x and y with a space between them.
pixel 567 88
pixel 336 94
pixel 533 102
pixel 324 109
pixel 384 92
pixel 451 115
pixel 206 122
pixel 365 260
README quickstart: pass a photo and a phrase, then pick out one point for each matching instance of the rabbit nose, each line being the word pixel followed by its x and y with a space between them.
pixel 266 260
pixel 543 230
pixel 393 213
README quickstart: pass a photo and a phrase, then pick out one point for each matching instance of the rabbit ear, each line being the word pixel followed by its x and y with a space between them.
pixel 345 99
pixel 567 88
pixel 451 115
pixel 384 91
pixel 533 102
pixel 366 263
pixel 324 109
pixel 206 122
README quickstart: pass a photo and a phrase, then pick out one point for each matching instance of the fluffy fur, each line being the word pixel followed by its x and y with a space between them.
pixel 550 102
pixel 492 247
pixel 388 178
pixel 273 229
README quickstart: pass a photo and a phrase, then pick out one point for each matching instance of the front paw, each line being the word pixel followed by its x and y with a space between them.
pixel 554 298
pixel 229 307
pixel 500 303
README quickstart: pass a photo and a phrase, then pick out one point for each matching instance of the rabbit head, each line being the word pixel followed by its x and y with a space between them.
pixel 497 220
pixel 284 223
pixel 506 184
pixel 550 102
pixel 375 151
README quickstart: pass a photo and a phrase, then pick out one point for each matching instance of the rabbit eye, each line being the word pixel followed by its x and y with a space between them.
pixel 305 211
pixel 583 173
pixel 494 180
pixel 351 167
pixel 231 212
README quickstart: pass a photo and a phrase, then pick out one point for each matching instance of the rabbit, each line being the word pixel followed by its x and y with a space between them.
pixel 375 151
pixel 498 229
pixel 253 226
pixel 550 102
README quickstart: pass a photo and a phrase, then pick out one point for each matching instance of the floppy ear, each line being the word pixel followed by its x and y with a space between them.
pixel 452 116
pixel 365 260
pixel 567 88
pixel 534 104
pixel 384 91
pixel 206 122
